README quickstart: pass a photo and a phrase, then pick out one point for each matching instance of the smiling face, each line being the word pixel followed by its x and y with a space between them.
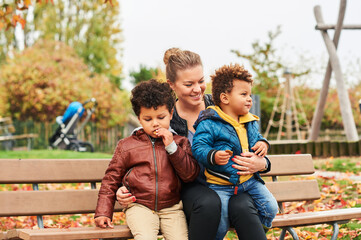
pixel 190 86
pixel 152 119
pixel 238 102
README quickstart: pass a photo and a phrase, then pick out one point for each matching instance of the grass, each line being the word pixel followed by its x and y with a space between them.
pixel 52 154
pixel 345 164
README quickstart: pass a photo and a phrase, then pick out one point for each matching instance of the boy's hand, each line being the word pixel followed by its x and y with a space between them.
pixel 221 157
pixel 103 222
pixel 166 135
pixel 260 148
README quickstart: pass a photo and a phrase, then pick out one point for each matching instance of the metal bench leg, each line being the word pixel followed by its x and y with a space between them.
pixel 335 231
pixel 38 217
pixel 291 231
pixel 29 144
pixel 40 221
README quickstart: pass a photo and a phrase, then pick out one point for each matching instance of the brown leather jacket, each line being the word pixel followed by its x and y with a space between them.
pixel 148 171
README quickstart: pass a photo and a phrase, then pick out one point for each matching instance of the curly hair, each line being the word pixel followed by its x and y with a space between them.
pixel 222 80
pixel 176 59
pixel 152 94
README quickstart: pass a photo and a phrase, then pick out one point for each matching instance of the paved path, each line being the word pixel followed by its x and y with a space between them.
pixel 338 175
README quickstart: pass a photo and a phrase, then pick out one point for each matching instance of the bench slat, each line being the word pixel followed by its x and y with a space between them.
pixel 84 201
pixel 15 137
pixel 120 231
pixel 292 164
pixel 288 191
pixel 52 170
pixel 52 202
pixel 92 170
pixel 319 217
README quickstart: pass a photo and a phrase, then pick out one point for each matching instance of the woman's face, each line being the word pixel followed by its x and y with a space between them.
pixel 190 85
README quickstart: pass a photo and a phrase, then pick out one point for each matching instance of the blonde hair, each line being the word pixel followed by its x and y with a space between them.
pixel 176 59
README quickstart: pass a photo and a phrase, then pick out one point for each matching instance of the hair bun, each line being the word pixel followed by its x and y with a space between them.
pixel 170 52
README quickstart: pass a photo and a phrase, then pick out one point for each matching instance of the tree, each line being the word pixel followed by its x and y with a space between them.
pixel 145 73
pixel 41 81
pixel 92 28
pixel 268 69
pixel 8 16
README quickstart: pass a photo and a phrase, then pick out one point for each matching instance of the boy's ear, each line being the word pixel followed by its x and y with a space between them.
pixel 224 98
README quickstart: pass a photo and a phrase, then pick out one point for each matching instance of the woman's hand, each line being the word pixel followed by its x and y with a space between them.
pixel 124 197
pixel 249 163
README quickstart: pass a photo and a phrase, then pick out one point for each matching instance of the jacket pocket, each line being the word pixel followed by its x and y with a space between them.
pixel 126 178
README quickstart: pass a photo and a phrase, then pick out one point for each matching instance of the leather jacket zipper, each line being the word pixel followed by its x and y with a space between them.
pixel 156 175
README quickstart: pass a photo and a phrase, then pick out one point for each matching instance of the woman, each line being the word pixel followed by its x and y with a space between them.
pixel 202 206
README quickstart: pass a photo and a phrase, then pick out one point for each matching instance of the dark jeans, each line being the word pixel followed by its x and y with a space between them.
pixel 202 208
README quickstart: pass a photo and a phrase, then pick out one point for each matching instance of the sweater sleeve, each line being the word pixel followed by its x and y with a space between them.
pixel 183 162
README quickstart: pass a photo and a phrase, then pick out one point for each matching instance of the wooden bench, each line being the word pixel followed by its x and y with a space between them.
pixel 58 202
pixel 6 134
pixel 301 190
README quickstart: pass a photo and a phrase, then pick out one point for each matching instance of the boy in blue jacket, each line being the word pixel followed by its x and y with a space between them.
pixel 226 130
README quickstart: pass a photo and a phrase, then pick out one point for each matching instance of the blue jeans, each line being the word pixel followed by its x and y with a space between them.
pixel 265 202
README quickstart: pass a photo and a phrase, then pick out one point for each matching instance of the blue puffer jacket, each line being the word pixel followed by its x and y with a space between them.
pixel 213 134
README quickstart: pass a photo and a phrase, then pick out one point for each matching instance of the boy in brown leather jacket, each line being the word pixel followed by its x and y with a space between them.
pixel 151 163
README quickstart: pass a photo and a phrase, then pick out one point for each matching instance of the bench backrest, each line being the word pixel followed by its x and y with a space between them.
pixel 48 202
pixel 292 190
pixel 6 126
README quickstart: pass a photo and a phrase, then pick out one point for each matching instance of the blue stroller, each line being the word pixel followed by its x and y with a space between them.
pixel 65 136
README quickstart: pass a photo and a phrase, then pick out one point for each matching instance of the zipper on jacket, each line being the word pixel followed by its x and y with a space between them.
pixel 156 175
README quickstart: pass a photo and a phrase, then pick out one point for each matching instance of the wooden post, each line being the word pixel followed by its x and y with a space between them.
pixel 288 93
pixel 310 147
pixel 303 148
pixel 334 149
pixel 295 147
pixel 318 149
pixel 326 149
pixel 345 105
pixel 333 26
pixel 287 148
pixel 343 148
pixel 319 111
pixel 352 148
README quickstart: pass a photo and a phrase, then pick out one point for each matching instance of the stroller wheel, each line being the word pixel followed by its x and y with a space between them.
pixel 73 147
pixel 86 147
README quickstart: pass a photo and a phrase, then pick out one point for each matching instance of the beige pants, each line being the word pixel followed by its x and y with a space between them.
pixel 145 223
